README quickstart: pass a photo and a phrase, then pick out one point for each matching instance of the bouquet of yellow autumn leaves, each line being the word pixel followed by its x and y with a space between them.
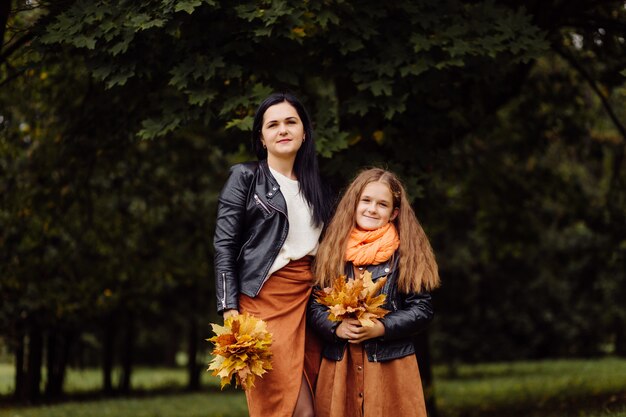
pixel 354 298
pixel 242 349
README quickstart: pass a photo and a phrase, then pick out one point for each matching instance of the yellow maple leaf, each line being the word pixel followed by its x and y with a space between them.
pixel 241 349
pixel 354 298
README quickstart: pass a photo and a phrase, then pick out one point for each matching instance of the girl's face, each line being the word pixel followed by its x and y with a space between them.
pixel 375 207
pixel 282 132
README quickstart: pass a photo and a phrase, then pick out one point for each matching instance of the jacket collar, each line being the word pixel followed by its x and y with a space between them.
pixel 273 188
pixel 379 270
pixel 270 188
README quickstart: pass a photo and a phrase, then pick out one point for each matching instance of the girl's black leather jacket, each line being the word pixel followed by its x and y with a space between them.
pixel 250 229
pixel 409 314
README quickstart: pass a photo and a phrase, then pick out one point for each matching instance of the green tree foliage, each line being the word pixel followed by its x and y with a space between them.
pixel 208 61
pixel 119 120
pixel 91 239
pixel 533 237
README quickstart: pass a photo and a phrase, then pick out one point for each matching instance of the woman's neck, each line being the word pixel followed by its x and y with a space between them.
pixel 283 166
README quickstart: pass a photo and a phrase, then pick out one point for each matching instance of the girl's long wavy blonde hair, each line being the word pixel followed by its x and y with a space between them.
pixel 418 268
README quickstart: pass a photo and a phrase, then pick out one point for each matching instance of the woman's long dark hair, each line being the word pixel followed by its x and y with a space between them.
pixel 305 166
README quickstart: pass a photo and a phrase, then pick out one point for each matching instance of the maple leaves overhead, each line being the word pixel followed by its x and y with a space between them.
pixel 242 349
pixel 354 298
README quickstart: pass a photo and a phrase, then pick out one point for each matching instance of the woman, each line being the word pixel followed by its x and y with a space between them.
pixel 270 216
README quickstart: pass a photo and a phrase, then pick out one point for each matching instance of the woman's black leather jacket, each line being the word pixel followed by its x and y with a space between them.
pixel 409 314
pixel 250 229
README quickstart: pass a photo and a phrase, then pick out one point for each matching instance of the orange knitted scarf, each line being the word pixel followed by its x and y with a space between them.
pixel 372 247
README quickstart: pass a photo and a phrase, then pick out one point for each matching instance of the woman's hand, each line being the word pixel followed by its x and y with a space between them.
pixel 352 330
pixel 230 313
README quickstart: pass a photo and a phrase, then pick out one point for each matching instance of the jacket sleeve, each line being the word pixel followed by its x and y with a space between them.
pixel 317 317
pixel 413 317
pixel 229 225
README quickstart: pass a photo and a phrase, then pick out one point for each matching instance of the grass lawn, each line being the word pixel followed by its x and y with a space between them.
pixel 6 378
pixel 542 388
pixel 181 405
pixel 561 388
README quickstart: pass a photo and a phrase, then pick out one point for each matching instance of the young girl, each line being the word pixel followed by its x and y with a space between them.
pixel 372 371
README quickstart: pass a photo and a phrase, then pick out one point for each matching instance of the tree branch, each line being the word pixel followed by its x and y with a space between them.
pixel 52 10
pixel 595 22
pixel 12 77
pixel 619 154
pixel 15 46
pixel 594 86
pixel 5 10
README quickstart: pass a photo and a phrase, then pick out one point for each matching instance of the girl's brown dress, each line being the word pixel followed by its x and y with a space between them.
pixel 282 304
pixel 355 386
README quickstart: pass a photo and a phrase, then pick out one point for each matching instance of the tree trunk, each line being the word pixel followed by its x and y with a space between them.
pixel 57 358
pixel 64 359
pixel 193 370
pixel 620 338
pixel 107 356
pixel 5 11
pixel 51 358
pixel 35 361
pixel 127 355
pixel 20 377
pixel 422 351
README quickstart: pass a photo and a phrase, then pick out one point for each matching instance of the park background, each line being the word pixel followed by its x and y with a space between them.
pixel 119 120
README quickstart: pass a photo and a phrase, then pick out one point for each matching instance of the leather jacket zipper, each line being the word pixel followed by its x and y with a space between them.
pixel 275 254
pixel 282 239
pixel 224 287
pixel 258 201
pixel 277 209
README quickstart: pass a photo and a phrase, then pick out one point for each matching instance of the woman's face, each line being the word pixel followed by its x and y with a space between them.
pixel 375 207
pixel 282 132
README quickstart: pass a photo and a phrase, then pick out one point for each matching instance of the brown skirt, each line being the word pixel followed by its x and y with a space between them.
pixel 296 351
pixel 355 387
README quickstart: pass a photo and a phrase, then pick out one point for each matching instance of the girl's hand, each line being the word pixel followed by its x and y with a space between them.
pixel 230 313
pixel 352 330
pixel 348 328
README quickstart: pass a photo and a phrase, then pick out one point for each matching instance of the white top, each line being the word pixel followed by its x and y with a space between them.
pixel 302 238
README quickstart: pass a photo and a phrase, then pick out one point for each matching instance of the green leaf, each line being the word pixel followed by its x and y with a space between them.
pixel 358 107
pixel 415 68
pixel 331 141
pixel 153 128
pixel 244 124
pixel 327 16
pixel 144 21
pixel 120 78
pixel 350 45
pixel 187 6
pixel 83 41
pixel 421 43
pixel 200 97
pixel 378 87
pixel 102 72
pixel 396 106
pixel 122 46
